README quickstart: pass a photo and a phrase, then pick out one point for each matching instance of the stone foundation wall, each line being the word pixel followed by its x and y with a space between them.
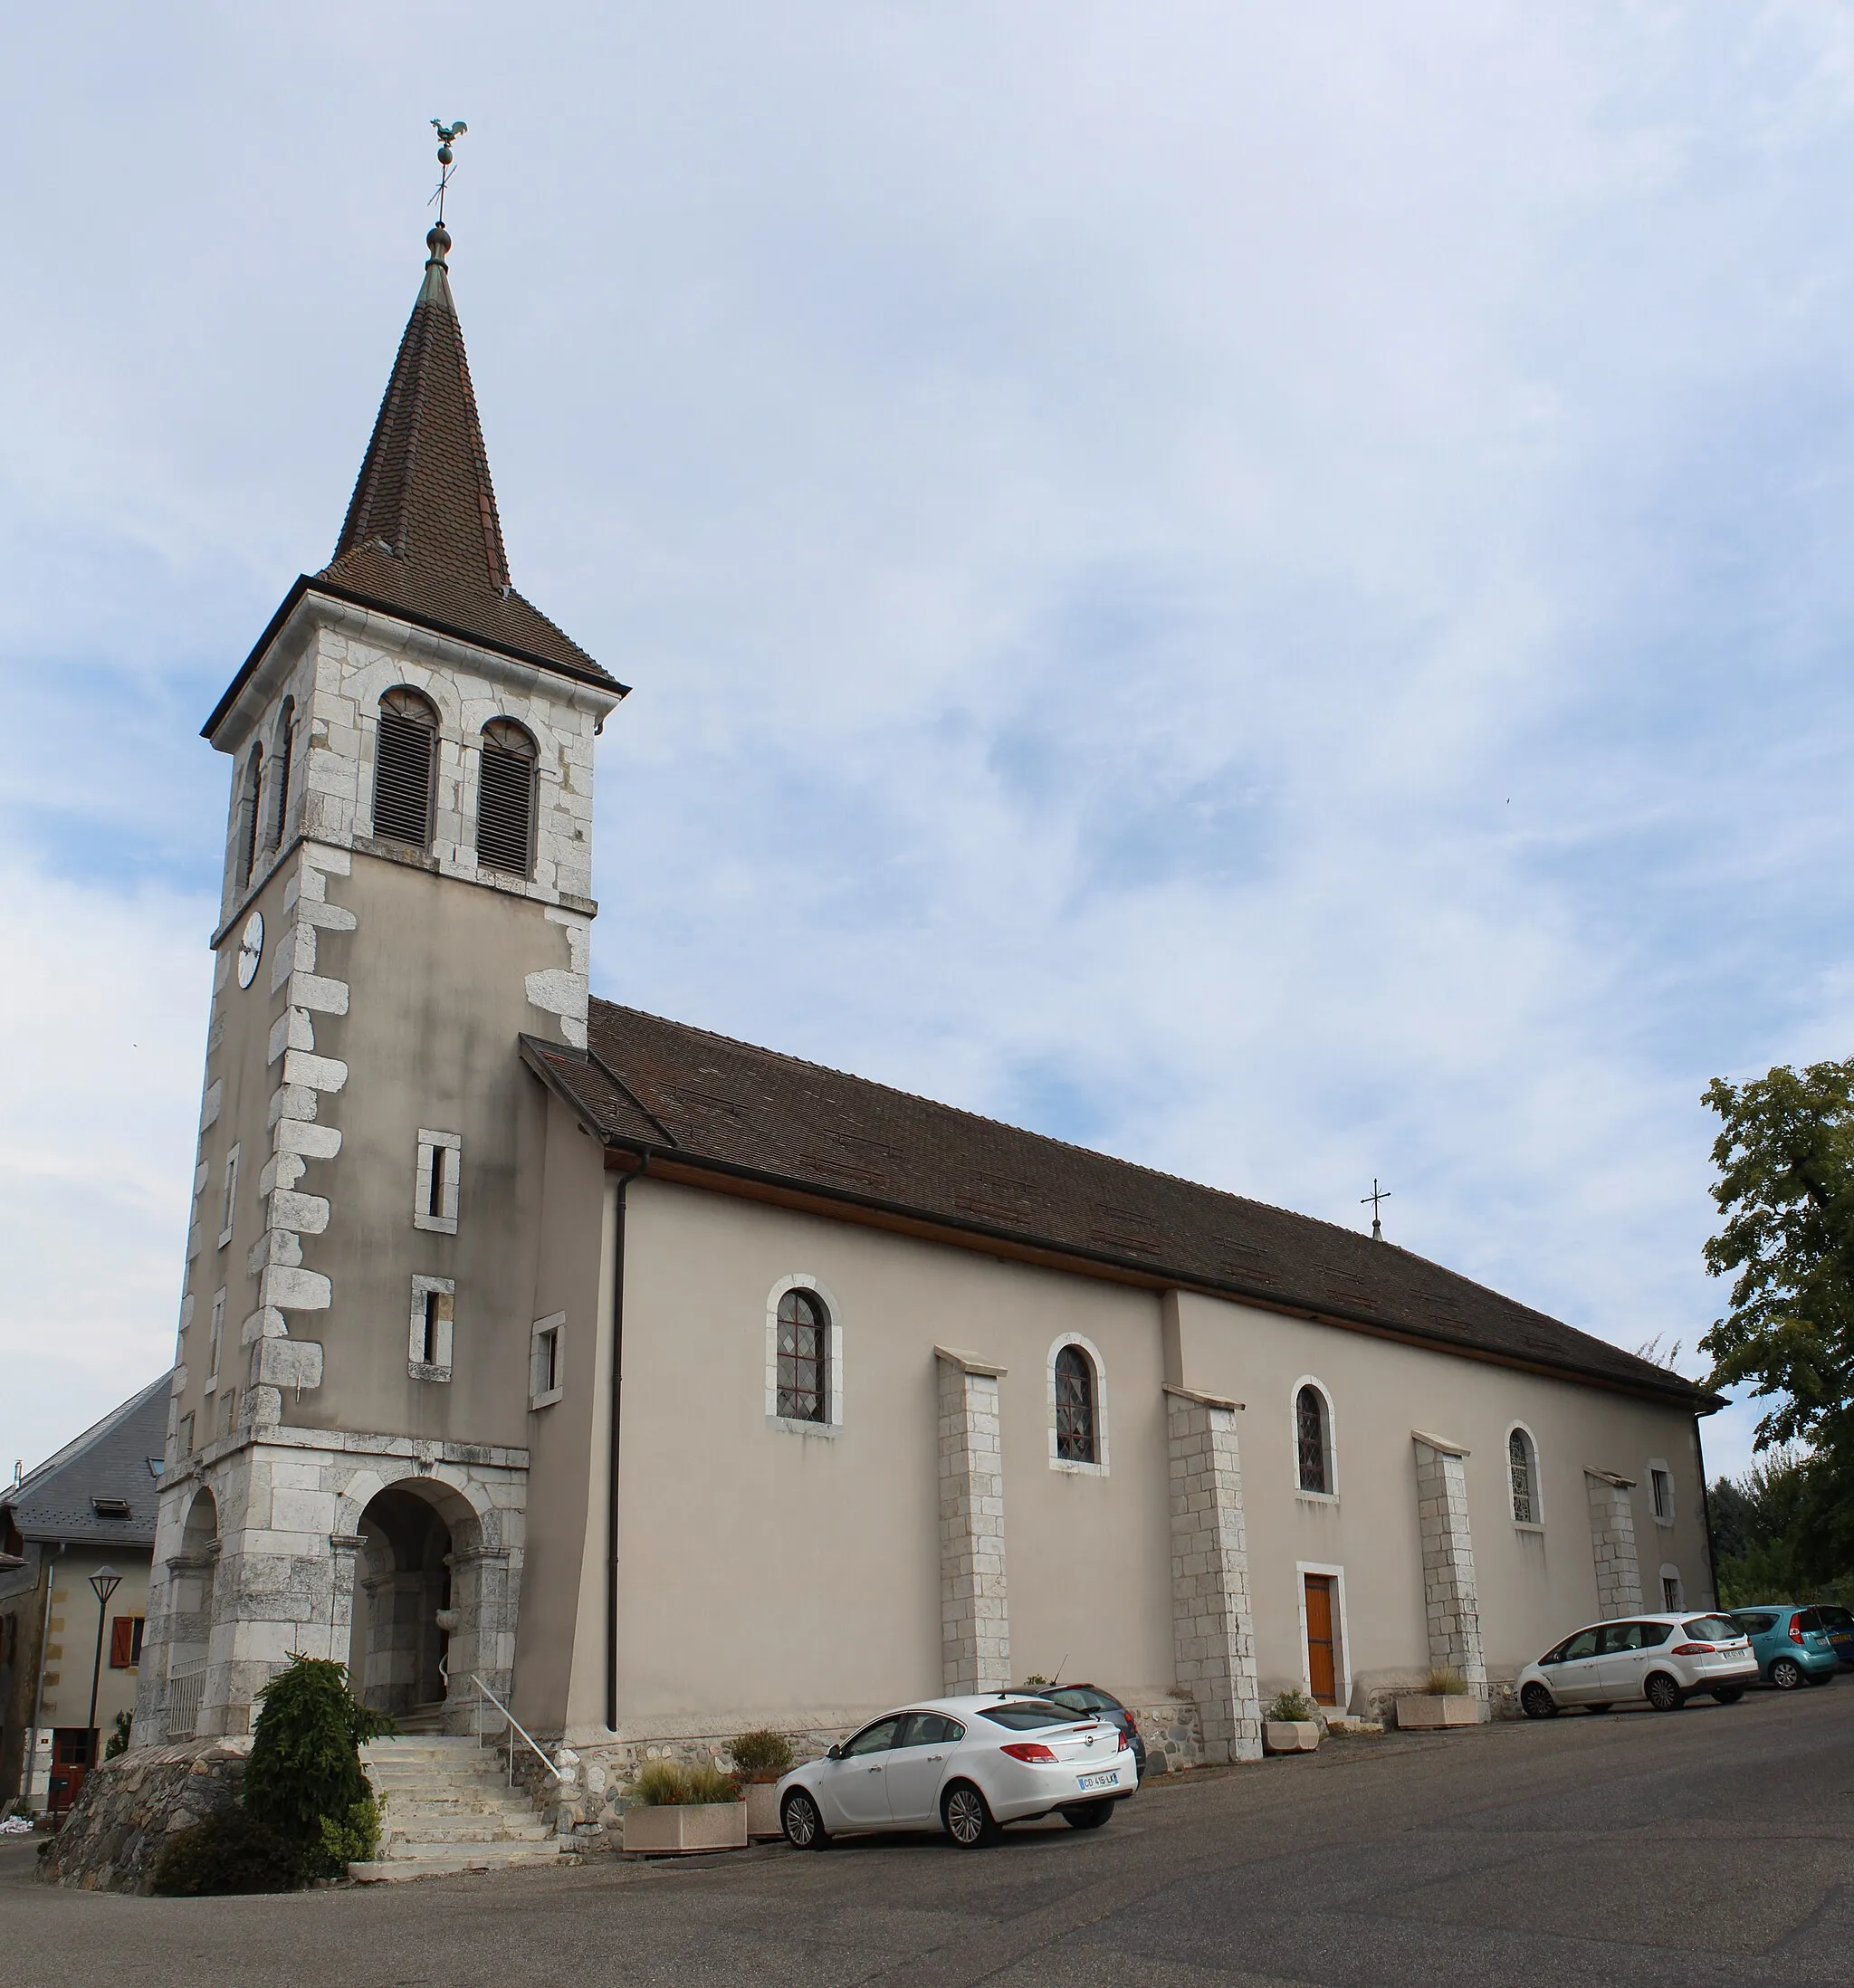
pixel 129 1807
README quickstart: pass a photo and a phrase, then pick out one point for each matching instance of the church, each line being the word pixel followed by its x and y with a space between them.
pixel 541 1352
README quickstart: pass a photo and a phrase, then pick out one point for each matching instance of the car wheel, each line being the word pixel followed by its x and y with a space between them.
pixel 1663 1692
pixel 1537 1703
pixel 967 1816
pixel 803 1825
pixel 1786 1674
pixel 1729 1695
pixel 1087 1815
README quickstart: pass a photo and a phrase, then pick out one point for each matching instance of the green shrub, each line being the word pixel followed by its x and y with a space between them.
pixel 1293 1706
pixel 353 1842
pixel 1444 1681
pixel 759 1753
pixel 228 1853
pixel 119 1735
pixel 304 1766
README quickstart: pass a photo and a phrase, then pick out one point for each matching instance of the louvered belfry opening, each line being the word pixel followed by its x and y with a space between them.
pixel 505 798
pixel 247 816
pixel 280 778
pixel 404 748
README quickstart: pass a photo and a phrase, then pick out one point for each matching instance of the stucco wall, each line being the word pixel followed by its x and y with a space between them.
pixel 798 1574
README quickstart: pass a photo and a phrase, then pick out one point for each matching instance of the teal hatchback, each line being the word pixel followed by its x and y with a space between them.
pixel 1789 1643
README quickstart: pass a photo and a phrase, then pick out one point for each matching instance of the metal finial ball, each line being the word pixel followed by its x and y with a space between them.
pixel 445 155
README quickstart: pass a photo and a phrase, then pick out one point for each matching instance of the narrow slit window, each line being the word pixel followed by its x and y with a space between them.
pixel 280 777
pixel 505 799
pixel 435 1182
pixel 433 1327
pixel 229 1207
pixel 547 1362
pixel 405 755
pixel 218 1335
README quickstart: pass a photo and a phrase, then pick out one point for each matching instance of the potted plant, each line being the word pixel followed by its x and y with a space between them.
pixel 1291 1724
pixel 677 1809
pixel 1444 1700
pixel 760 1758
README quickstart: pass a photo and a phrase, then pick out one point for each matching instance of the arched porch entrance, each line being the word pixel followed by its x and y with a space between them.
pixel 423 1578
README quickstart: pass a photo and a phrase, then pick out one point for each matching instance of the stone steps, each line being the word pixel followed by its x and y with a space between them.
pixel 448 1809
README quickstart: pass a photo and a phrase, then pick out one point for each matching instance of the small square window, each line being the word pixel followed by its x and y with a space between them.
pixel 433 1309
pixel 434 1183
pixel 547 1372
pixel 1671 1596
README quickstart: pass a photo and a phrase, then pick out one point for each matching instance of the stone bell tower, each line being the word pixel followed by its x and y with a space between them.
pixel 406 892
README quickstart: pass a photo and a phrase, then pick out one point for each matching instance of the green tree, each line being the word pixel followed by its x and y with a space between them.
pixel 1785 1186
pixel 304 1768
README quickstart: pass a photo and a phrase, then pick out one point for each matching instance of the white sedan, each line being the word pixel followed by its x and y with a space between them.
pixel 968 1765
pixel 1664 1658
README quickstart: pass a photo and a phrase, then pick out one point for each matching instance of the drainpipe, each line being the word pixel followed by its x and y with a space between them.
pixel 25 1770
pixel 1706 1506
pixel 638 1162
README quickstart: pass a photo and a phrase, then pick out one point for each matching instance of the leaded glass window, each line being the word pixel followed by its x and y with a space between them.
pixel 803 1379
pixel 1310 1440
pixel 1525 1495
pixel 1075 1407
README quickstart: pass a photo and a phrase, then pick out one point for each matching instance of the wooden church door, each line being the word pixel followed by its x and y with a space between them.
pixel 1323 1672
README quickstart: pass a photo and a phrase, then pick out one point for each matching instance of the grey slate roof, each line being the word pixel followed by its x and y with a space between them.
pixel 663 1088
pixel 110 1460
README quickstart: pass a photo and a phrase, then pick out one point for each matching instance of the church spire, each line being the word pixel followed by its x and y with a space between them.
pixel 422 537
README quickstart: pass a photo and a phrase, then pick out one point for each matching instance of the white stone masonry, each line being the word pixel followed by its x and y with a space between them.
pixel 974 1611
pixel 1213 1623
pixel 1612 1541
pixel 1451 1604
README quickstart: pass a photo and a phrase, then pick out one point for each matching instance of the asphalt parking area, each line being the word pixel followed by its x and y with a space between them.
pixel 1711 1846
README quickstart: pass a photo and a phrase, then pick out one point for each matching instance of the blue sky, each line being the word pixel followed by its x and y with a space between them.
pixel 1263 589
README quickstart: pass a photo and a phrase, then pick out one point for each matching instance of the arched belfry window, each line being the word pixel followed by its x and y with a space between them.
pixel 506 794
pixel 248 804
pixel 1523 1468
pixel 1076 1391
pixel 403 759
pixel 1313 1440
pixel 803 1358
pixel 279 772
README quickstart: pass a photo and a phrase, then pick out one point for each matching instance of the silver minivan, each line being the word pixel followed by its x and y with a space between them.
pixel 1664 1659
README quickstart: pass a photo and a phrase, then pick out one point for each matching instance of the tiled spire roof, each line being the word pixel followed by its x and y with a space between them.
pixel 422 537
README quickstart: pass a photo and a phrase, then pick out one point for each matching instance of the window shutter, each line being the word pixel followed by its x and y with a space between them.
pixel 402 780
pixel 505 810
pixel 121 1642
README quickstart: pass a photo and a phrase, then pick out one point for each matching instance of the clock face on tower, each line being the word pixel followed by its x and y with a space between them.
pixel 251 948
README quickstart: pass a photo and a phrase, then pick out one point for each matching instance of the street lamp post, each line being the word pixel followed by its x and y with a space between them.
pixel 105 1582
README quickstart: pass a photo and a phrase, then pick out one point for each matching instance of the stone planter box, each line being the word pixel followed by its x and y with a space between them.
pixel 763 1808
pixel 1290 1735
pixel 684 1828
pixel 1426 1713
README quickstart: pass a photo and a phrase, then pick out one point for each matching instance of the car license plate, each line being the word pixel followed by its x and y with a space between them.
pixel 1100 1781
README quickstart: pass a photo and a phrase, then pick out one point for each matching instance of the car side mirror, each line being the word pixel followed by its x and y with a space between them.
pixel 836 1753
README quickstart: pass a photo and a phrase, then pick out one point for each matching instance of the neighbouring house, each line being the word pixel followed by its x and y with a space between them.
pixel 660 1384
pixel 89 1511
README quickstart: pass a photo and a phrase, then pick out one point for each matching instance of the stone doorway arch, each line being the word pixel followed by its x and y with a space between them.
pixel 429 1586
pixel 191 1581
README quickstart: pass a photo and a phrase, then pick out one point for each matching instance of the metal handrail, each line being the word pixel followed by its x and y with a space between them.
pixel 515 1723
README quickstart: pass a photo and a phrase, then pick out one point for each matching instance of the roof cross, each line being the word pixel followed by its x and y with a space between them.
pixel 1376 1196
pixel 447 159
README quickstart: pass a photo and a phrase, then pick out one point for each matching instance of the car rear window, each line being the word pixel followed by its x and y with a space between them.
pixel 1836 1618
pixel 1083 1699
pixel 1755 1625
pixel 1026 1717
pixel 1807 1620
pixel 1712 1629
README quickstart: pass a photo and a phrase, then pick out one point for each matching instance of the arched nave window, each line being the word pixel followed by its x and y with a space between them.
pixel 1313 1459
pixel 1522 1474
pixel 804 1358
pixel 247 815
pixel 280 776
pixel 1078 1406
